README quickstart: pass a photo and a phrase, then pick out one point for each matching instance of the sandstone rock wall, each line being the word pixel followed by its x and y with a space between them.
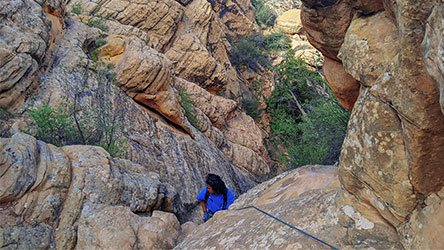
pixel 44 188
pixel 74 65
pixel 191 34
pixel 152 140
pixel 21 53
pixel 307 198
pixel 392 156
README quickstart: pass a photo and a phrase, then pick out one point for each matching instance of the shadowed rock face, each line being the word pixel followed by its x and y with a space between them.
pixel 392 156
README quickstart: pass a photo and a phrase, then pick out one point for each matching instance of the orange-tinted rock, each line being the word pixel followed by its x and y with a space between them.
pixel 367 54
pixel 325 24
pixel 343 85
pixel 145 75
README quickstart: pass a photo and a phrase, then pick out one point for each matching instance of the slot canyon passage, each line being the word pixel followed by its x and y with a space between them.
pixel 328 115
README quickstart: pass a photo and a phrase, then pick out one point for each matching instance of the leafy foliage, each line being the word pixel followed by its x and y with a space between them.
pixel 251 106
pixel 89 116
pixel 97 22
pixel 54 126
pixel 250 52
pixel 254 50
pixel 277 41
pixel 77 8
pixel 306 120
pixel 265 16
pixel 189 108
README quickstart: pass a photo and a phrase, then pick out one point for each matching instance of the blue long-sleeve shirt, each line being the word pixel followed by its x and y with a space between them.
pixel 215 202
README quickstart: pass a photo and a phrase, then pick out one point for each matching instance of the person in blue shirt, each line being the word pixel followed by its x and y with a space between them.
pixel 215 196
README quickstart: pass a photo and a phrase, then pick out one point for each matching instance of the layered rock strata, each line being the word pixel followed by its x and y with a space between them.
pixel 152 141
pixel 21 53
pixel 191 34
pixel 44 190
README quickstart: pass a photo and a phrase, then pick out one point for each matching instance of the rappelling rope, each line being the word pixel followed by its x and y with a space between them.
pixel 274 217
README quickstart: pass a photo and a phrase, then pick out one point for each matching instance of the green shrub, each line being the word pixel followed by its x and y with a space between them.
pixel 254 50
pixel 89 118
pixel 312 133
pixel 189 108
pixel 277 41
pixel 251 107
pixel 264 14
pixel 77 8
pixel 322 132
pixel 97 22
pixel 99 42
pixel 54 126
pixel 250 52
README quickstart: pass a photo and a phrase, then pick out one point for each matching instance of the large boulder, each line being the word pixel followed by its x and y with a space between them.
pixel 325 24
pixel 44 189
pixel 289 22
pixel 366 54
pixel 115 227
pixel 344 86
pixel 144 74
pixel 391 161
pixel 307 198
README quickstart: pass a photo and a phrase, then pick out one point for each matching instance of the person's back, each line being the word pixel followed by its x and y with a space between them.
pixel 215 196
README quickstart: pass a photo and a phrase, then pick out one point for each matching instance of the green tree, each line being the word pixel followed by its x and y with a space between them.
pixel 306 120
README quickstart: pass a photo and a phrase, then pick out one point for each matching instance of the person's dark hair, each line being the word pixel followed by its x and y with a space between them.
pixel 217 184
